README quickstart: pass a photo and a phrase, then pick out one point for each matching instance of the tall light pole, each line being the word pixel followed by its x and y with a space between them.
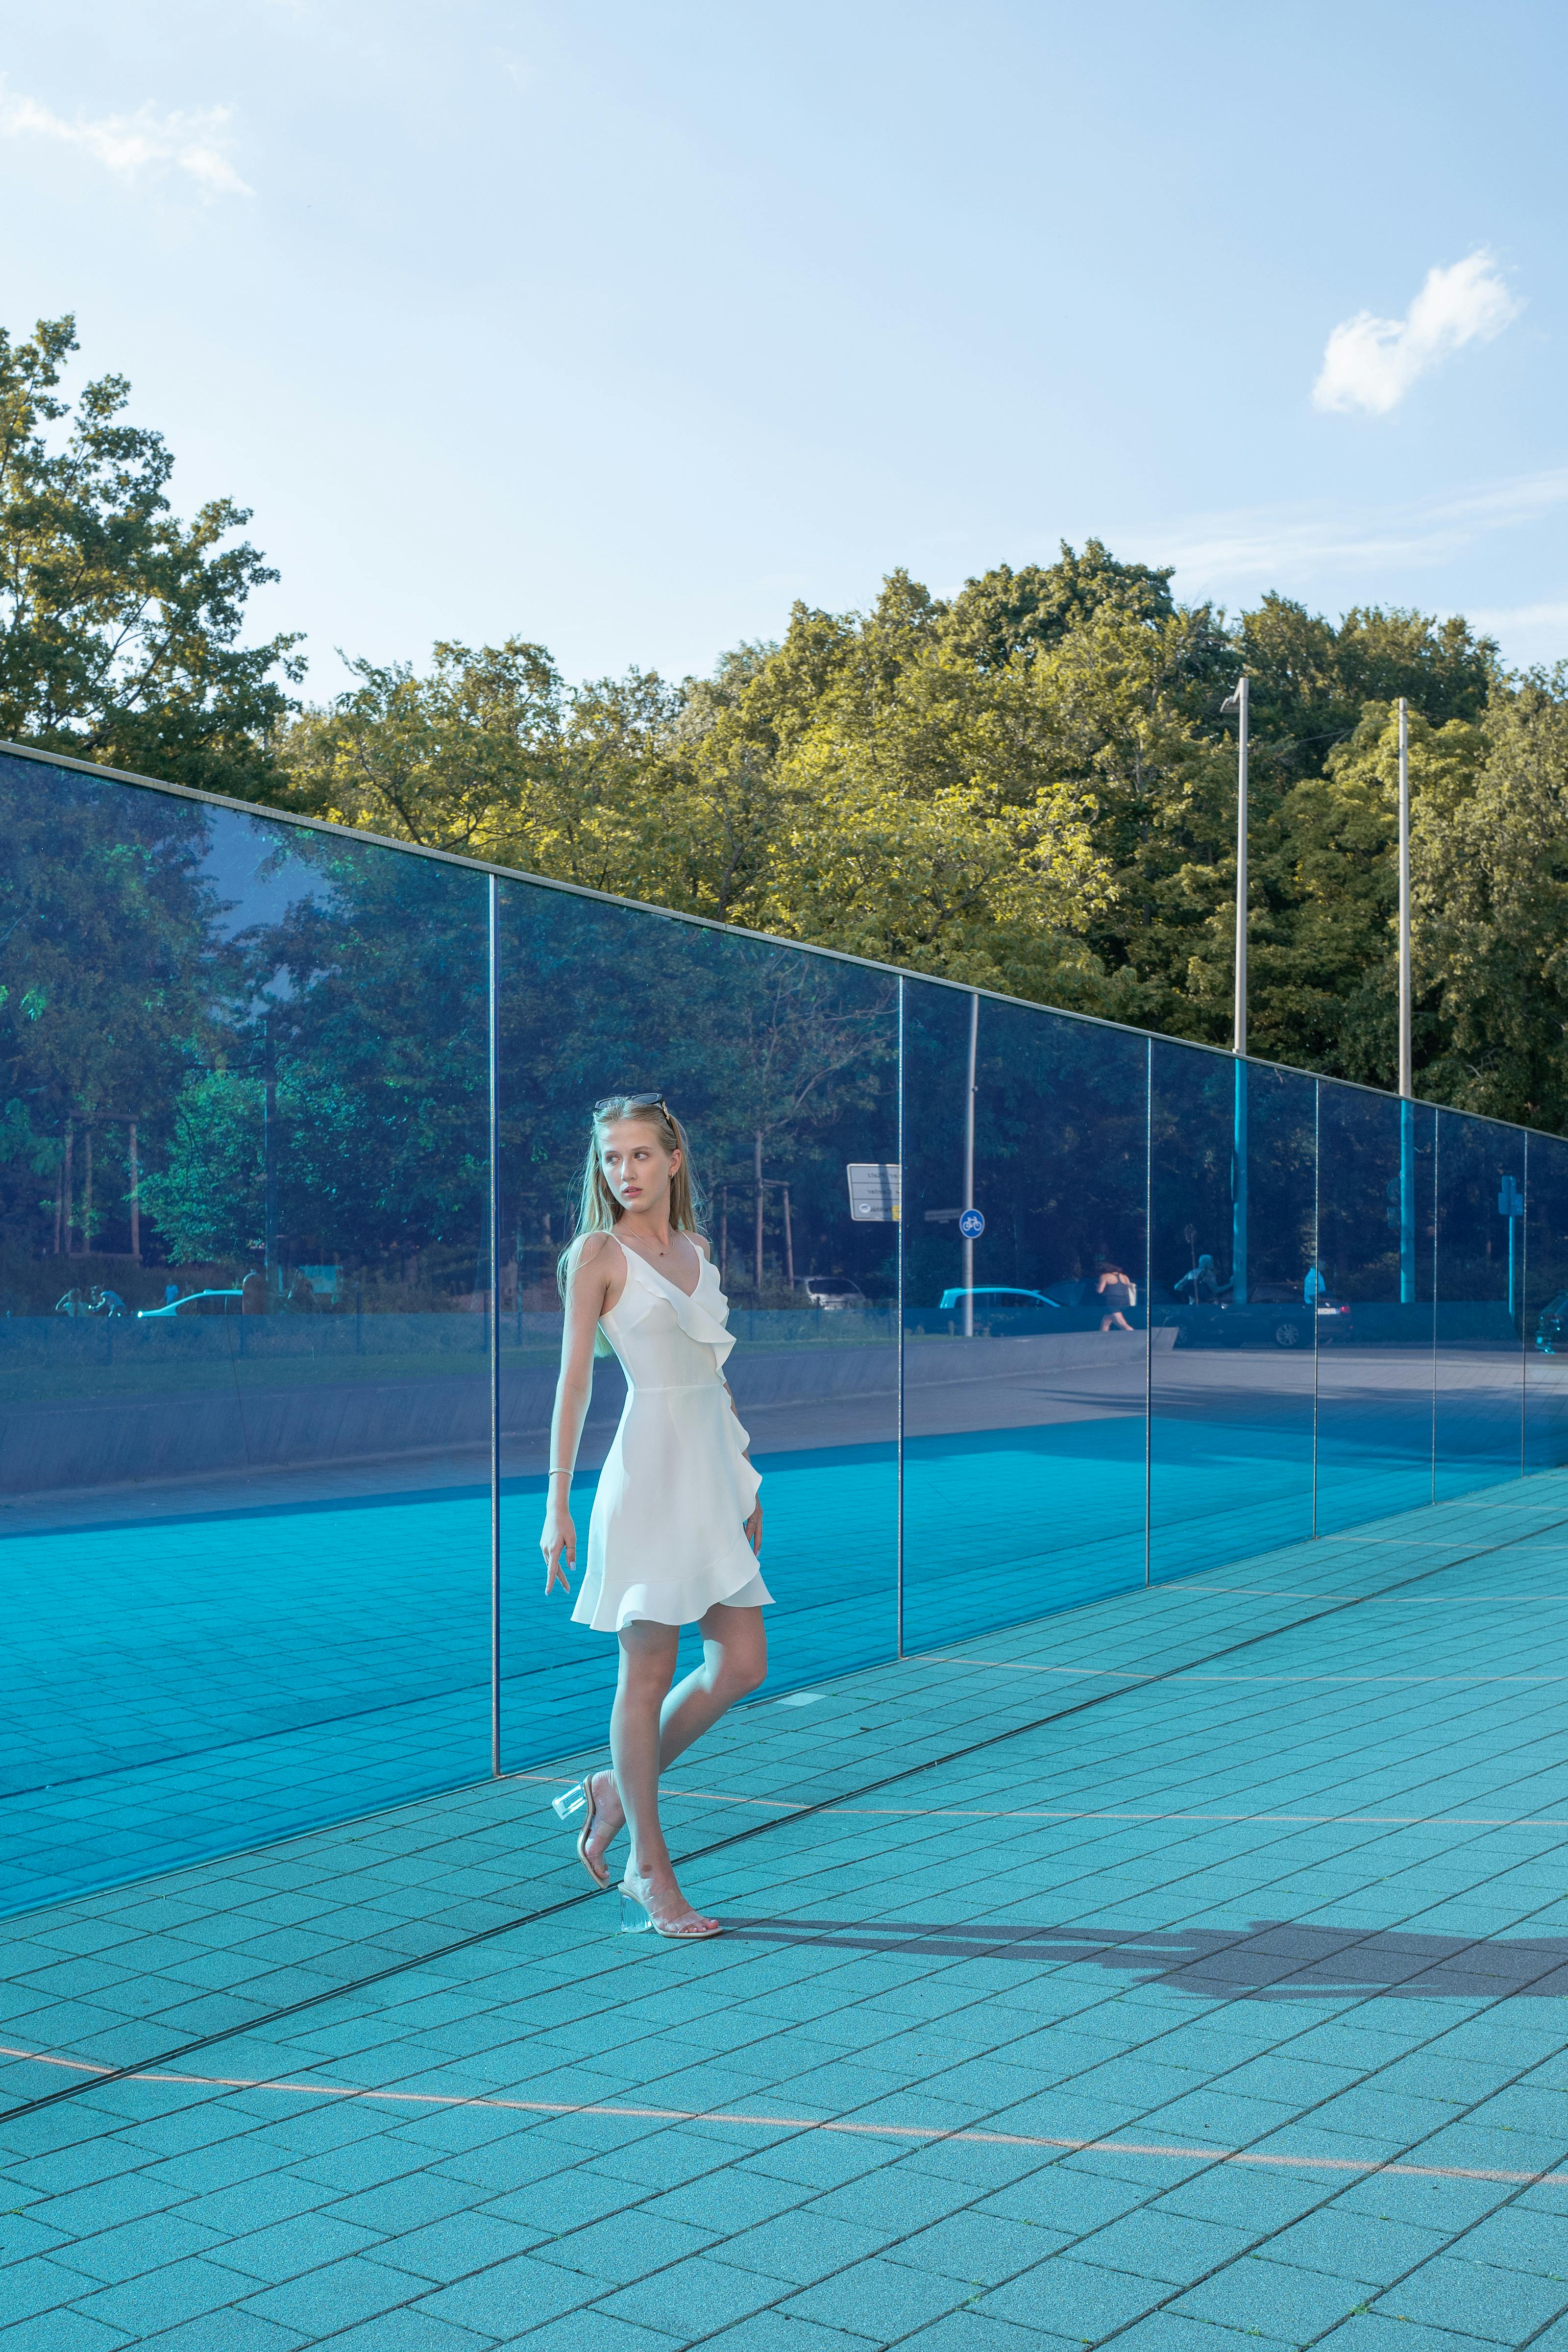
pixel 1406 1113
pixel 1238 1164
pixel 1237 702
pixel 1404 1087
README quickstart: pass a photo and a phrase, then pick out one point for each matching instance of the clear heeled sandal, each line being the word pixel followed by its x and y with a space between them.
pixel 636 1919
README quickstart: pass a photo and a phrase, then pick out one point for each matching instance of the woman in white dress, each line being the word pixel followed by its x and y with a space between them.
pixel 675 1526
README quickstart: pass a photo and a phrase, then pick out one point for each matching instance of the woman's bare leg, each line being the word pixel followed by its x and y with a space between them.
pixel 734 1661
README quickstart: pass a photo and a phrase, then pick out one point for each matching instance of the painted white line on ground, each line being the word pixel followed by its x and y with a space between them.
pixel 1360 2166
pixel 1097 1813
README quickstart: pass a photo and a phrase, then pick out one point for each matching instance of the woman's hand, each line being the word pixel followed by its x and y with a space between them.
pixel 558 1542
pixel 755 1528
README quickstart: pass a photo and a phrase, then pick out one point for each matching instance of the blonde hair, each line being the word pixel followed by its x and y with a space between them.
pixel 598 1211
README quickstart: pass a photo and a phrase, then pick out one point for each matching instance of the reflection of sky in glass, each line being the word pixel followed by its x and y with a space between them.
pixel 250 867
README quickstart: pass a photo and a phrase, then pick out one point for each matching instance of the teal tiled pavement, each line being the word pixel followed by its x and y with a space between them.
pixel 1222 2002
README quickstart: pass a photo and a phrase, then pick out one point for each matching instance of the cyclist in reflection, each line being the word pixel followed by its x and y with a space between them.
pixel 675 1526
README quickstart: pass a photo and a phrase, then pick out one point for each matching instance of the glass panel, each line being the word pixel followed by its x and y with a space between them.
pixel 782 1065
pixel 1545 1303
pixel 1025 1362
pixel 1479 1382
pixel 1232 1182
pixel 245 1371
pixel 1375 1165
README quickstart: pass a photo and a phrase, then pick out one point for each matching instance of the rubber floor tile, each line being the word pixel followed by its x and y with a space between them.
pixel 979 2249
pixel 1163 2245
pixel 288 2250
pixel 335 2296
pixel 38 2285
pixel 409 2331
pixel 1502 2306
pixel 596 2331
pixel 1347 2244
pixel 771 2331
pixel 1073 2299
pixel 453 2248
pixel 624 2247
pixel 67 2331
pixel 882 2300
pixel 797 2248
pixel 227 2331
pixel 1167 2331
pixel 1277 2298
pixel 164 2298
pixel 966 2331
pixel 692 2298
pixel 510 2297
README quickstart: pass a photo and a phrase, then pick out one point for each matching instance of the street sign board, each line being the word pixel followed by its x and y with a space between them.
pixel 876 1192
pixel 972 1224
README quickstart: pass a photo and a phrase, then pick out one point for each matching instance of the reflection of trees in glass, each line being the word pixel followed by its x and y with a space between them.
pixel 1059 1144
pixel 352 1029
pixel 742 1038
pixel 106 960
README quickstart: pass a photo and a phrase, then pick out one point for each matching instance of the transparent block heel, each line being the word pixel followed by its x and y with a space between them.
pixel 571 1801
pixel 634 1919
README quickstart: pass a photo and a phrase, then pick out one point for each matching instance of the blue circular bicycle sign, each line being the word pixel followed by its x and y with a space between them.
pixel 972 1224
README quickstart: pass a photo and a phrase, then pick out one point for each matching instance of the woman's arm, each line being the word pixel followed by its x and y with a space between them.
pixel 588 1284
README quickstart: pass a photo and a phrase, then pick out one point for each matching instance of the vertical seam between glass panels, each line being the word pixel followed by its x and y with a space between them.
pixel 1437 1219
pixel 1148 1306
pixel 1318 1271
pixel 493 1041
pixel 1523 1310
pixel 899 1262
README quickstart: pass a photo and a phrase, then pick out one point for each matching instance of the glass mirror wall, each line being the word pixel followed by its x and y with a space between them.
pixel 1233 1187
pixel 1545 1302
pixel 1479 1366
pixel 242 1352
pixel 782 1067
pixel 1375 1212
pixel 1026 1313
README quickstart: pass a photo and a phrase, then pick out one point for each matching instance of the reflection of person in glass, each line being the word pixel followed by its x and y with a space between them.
pixel 676 1525
pixel 1115 1290
pixel 1202 1284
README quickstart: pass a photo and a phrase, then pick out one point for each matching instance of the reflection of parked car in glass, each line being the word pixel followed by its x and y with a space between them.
pixel 996 1294
pixel 833 1290
pixel 200 1302
pixel 1552 1329
pixel 1273 1311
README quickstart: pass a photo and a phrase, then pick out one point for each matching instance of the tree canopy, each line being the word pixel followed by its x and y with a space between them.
pixel 1027 784
pixel 121 627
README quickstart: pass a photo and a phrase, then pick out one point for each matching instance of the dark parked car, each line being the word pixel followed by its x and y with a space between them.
pixel 1274 1312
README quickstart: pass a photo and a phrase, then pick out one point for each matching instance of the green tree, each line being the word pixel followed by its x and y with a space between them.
pixel 119 625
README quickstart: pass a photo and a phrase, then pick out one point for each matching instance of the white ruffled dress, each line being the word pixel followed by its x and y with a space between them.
pixel 667 1538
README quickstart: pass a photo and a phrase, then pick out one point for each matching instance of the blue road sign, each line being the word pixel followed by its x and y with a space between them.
pixel 972 1224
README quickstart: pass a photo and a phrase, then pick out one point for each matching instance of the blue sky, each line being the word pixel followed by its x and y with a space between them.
pixel 620 328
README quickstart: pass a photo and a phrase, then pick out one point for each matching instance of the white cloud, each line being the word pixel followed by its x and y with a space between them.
pixel 1371 363
pixel 1219 552
pixel 197 144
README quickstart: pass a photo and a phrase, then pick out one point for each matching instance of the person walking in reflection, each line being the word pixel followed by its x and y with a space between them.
pixel 676 1527
pixel 1116 1296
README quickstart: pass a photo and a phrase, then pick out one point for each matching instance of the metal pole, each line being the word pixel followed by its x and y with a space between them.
pixel 969 1168
pixel 493 1205
pixel 1404 1085
pixel 1241 696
